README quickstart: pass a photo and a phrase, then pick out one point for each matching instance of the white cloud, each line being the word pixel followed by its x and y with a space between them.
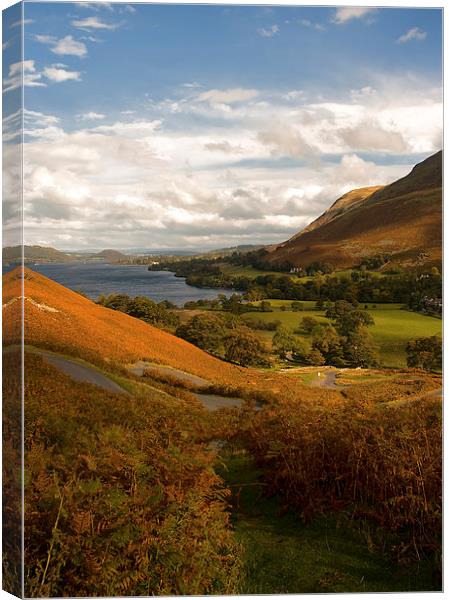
pixel 415 33
pixel 224 147
pixel 287 141
pixel 59 74
pixel 312 25
pixel 93 23
pixel 362 93
pixel 21 22
pixel 239 174
pixel 192 84
pixel 91 38
pixel 69 46
pixel 44 39
pixel 135 130
pixel 368 135
pixel 91 116
pixel 25 69
pixel 344 14
pixel 268 31
pixel 294 95
pixel 227 96
pixel 95 5
pixel 38 118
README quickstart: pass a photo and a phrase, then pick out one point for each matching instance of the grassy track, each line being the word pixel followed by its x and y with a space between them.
pixel 282 555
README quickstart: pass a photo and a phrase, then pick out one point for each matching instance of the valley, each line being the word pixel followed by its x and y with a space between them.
pixel 227 457
pixel 201 418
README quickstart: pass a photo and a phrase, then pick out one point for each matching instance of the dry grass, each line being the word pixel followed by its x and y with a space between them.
pixel 120 495
pixel 381 465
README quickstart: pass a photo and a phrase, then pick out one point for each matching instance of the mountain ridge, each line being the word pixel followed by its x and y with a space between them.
pixel 402 220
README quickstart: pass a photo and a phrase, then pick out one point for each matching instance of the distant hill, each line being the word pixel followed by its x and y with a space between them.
pixel 110 255
pixel 241 249
pixel 35 254
pixel 46 254
pixel 402 220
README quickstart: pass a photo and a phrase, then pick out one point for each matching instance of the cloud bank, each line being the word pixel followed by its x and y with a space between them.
pixel 230 165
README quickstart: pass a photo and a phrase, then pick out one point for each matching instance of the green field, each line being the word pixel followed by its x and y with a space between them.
pixel 251 272
pixel 393 326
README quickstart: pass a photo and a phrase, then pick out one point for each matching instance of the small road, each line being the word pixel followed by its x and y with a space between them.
pixel 326 379
pixel 87 374
pixel 210 402
pixel 141 366
pixel 82 373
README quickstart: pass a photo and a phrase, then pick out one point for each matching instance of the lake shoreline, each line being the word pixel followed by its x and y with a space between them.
pixel 94 279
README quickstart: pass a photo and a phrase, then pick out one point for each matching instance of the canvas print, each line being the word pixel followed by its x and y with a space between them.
pixel 222 299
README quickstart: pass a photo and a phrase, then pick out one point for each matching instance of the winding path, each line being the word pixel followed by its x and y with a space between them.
pixel 82 373
pixel 88 374
pixel 141 366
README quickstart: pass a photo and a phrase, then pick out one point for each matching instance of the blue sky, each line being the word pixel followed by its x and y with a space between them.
pixel 203 126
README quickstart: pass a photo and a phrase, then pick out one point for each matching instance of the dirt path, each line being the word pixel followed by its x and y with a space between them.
pixel 326 379
pixel 82 373
pixel 214 402
pixel 210 402
pixel 139 367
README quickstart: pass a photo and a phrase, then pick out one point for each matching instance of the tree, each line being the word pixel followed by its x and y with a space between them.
pixel 244 347
pixel 265 306
pixel 308 324
pixel 286 343
pixel 315 357
pixel 116 302
pixel 149 311
pixel 232 304
pixel 205 331
pixel 352 321
pixel 347 318
pixel 255 294
pixel 425 352
pixel 339 309
pixel 231 320
pixel 297 306
pixel 328 343
pixel 359 349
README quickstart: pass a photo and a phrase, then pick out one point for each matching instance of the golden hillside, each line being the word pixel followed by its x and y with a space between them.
pixel 63 321
pixel 403 219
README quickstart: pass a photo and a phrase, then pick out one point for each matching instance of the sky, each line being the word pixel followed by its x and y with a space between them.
pixel 205 126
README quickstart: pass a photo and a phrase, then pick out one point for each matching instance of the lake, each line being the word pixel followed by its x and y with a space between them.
pixel 94 279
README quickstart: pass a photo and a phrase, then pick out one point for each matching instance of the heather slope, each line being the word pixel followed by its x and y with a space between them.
pixel 344 204
pixel 61 320
pixel 58 318
pixel 403 220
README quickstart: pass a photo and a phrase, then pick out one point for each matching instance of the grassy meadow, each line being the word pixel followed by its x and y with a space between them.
pixel 393 326
pixel 252 272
